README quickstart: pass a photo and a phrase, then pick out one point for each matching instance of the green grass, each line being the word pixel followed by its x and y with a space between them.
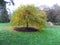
pixel 50 36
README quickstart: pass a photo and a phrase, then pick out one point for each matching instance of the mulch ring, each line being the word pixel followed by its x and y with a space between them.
pixel 24 29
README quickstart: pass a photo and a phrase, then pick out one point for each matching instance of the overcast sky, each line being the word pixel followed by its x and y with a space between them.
pixel 35 2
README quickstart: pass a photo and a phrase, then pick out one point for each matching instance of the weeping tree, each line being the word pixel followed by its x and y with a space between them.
pixel 4 17
pixel 27 16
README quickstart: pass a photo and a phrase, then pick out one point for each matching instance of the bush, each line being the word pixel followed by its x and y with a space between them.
pixel 29 15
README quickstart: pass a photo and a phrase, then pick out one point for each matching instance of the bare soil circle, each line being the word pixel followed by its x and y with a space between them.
pixel 24 29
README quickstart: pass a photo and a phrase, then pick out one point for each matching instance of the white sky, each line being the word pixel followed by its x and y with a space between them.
pixel 35 2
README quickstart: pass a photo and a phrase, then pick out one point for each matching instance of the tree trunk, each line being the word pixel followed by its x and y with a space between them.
pixel 27 24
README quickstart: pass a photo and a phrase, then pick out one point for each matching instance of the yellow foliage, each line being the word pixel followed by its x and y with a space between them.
pixel 30 14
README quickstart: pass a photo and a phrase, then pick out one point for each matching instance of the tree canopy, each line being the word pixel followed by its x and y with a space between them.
pixel 29 16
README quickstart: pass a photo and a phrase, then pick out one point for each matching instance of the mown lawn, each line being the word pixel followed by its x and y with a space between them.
pixel 50 36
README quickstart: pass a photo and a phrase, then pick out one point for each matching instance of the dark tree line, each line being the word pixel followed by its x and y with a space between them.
pixel 4 17
pixel 53 13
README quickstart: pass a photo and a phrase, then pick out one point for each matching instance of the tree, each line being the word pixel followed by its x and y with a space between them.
pixel 53 14
pixel 4 17
pixel 29 16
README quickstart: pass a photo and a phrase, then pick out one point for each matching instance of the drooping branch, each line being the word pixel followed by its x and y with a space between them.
pixel 12 2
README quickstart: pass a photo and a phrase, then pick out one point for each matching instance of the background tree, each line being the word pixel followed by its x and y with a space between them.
pixel 4 17
pixel 53 14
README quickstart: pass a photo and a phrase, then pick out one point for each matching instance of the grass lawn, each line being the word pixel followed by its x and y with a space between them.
pixel 50 36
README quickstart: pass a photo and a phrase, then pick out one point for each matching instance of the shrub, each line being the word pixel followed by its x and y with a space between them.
pixel 29 15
